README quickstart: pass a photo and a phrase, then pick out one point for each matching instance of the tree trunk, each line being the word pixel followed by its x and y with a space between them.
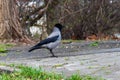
pixel 52 17
pixel 10 27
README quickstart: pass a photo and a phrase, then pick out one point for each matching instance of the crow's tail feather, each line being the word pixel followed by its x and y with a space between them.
pixel 33 48
pixel 36 47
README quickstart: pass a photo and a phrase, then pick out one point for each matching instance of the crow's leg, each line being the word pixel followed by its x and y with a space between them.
pixel 52 53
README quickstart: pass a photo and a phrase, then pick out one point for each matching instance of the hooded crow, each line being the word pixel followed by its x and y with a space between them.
pixel 52 41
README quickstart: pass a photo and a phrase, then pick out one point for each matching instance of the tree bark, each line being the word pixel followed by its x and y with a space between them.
pixel 10 27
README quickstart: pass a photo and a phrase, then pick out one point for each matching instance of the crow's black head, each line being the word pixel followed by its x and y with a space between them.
pixel 59 26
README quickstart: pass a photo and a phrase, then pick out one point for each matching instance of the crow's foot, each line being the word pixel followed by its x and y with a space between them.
pixel 54 56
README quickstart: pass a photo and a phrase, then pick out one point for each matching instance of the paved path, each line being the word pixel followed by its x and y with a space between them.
pixel 106 65
pixel 98 62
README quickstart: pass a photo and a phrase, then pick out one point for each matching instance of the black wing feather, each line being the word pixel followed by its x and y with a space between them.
pixel 45 41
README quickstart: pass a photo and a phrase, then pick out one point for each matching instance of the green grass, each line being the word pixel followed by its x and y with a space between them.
pixel 96 43
pixel 29 73
pixel 86 77
pixel 3 47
